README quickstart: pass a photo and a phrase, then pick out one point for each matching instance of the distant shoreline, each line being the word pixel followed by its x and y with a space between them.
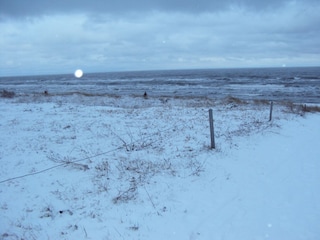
pixel 298 85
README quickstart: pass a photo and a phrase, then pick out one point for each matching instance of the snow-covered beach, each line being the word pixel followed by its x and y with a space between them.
pixel 78 167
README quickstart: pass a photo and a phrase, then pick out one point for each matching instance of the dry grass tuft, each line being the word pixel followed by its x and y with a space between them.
pixel 311 109
pixel 301 109
pixel 235 100
pixel 7 94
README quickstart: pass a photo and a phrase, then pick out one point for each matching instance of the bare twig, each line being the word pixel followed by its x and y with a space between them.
pixel 151 200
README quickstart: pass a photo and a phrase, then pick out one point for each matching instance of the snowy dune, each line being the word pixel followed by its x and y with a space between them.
pixel 133 168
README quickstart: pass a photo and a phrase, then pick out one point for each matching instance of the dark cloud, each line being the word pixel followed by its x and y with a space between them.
pixel 58 36
pixel 23 8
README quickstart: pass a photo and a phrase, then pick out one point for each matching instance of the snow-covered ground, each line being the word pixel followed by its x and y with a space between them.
pixel 133 168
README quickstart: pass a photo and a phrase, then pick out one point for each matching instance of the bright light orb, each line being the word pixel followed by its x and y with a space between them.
pixel 78 73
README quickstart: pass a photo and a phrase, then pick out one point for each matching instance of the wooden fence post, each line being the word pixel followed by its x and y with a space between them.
pixel 213 145
pixel 271 108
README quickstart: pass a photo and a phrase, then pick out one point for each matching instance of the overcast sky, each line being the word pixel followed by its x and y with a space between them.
pixel 52 37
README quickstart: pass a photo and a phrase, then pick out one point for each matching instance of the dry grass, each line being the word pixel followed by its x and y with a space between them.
pixel 301 109
pixel 7 94
pixel 311 109
pixel 261 102
pixel 234 100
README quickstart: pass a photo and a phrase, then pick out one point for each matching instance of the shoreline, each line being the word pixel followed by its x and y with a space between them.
pixel 137 101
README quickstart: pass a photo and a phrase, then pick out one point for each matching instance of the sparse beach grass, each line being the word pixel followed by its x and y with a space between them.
pixel 77 162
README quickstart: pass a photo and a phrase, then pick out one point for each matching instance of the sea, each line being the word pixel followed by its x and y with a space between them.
pixel 298 85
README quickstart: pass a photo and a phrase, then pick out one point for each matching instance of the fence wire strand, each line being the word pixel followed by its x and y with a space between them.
pixel 86 158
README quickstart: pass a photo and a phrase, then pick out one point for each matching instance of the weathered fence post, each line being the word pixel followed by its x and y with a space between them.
pixel 213 145
pixel 271 108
